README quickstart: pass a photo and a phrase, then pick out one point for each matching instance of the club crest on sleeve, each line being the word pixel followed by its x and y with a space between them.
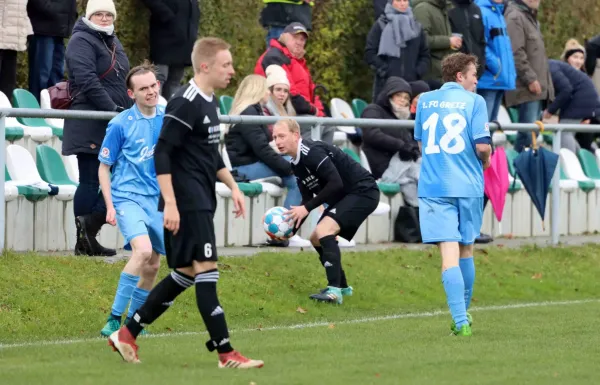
pixel 487 127
pixel 105 152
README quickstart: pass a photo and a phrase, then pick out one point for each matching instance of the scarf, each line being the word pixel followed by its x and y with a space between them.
pixel 107 30
pixel 401 113
pixel 400 28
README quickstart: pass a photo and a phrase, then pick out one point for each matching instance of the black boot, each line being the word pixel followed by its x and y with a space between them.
pixel 79 246
pixel 484 238
pixel 90 226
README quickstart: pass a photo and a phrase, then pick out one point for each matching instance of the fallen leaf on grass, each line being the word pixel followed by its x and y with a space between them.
pixel 537 276
pixel 301 310
pixel 377 375
pixel 267 274
pixel 509 236
pixel 331 326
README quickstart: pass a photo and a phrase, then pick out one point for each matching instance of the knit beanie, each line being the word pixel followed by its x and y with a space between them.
pixel 571 47
pixel 94 6
pixel 276 75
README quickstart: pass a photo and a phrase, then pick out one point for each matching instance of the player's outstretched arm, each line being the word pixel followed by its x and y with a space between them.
pixel 236 195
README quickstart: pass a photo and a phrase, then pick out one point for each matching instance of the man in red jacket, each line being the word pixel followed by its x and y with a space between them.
pixel 288 52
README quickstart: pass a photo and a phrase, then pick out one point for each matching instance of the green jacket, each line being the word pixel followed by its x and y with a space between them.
pixel 433 15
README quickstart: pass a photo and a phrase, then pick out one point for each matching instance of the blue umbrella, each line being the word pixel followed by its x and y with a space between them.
pixel 536 168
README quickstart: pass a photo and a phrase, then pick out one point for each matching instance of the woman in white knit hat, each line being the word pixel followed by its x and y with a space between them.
pixel 279 103
pixel 97 66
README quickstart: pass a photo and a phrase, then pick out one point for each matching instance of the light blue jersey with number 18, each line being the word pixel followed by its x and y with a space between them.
pixel 448 123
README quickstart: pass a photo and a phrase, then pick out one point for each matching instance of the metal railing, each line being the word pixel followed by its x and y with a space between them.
pixel 316 122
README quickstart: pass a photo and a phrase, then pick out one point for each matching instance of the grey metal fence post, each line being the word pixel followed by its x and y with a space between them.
pixel 315 134
pixel 555 214
pixel 2 181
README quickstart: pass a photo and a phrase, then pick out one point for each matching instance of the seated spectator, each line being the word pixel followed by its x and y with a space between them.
pixel 97 66
pixel 248 145
pixel 419 87
pixel 576 99
pixel 279 103
pixel 574 54
pixel 288 52
pixel 382 145
pixel 396 46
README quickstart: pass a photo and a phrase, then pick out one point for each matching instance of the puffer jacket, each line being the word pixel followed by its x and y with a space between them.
pixel 531 60
pixel 433 16
pixel 380 144
pixel 16 25
pixel 499 71
pixel 576 96
pixel 52 17
pixel 88 56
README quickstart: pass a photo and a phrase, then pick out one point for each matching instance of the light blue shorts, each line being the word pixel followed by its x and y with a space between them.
pixel 138 215
pixel 450 219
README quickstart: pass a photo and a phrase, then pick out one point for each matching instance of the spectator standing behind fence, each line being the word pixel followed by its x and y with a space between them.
pixel 499 72
pixel 97 66
pixel 278 14
pixel 381 144
pixel 396 46
pixel 466 20
pixel 576 99
pixel 52 22
pixel 433 15
pixel 288 52
pixel 534 85
pixel 16 26
pixel 173 30
pixel 592 60
pixel 248 145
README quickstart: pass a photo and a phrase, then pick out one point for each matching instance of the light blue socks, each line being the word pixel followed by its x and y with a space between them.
pixel 455 295
pixel 137 300
pixel 467 267
pixel 125 289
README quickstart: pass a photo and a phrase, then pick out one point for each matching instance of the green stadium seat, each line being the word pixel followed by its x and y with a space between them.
pixel 588 164
pixel 12 134
pixel 25 99
pixel 514 114
pixel 225 103
pixel 51 167
pixel 352 154
pixel 358 106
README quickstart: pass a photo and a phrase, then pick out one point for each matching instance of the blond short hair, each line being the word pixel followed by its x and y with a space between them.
pixel 205 50
pixel 291 124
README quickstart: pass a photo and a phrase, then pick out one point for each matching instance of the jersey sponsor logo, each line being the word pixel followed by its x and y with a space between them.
pixel 214 134
pixel 141 140
pixel 146 153
pixel 105 153
pixel 311 182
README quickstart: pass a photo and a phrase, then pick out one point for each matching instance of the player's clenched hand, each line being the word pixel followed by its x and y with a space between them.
pixel 296 214
pixel 171 217
pixel 239 203
pixel 111 216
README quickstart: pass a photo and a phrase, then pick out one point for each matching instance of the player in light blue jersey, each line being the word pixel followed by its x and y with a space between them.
pixel 132 195
pixel 452 129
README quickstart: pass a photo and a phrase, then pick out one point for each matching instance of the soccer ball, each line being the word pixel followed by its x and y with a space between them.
pixel 275 223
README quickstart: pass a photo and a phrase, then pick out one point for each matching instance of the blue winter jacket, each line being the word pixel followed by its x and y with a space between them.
pixel 576 96
pixel 500 73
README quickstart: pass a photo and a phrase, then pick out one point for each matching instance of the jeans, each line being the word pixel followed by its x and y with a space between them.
pixel 528 113
pixel 273 33
pixel 260 170
pixel 46 62
pixel 88 198
pixel 493 99
pixel 170 79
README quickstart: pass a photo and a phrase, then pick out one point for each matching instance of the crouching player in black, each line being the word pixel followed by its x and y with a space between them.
pixel 326 175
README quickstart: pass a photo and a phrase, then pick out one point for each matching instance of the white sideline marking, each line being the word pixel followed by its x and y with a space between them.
pixel 317 324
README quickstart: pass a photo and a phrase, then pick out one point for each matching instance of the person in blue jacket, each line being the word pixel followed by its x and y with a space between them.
pixel 500 74
pixel 576 100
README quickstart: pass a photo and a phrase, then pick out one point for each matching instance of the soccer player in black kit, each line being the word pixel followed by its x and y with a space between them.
pixel 326 175
pixel 188 163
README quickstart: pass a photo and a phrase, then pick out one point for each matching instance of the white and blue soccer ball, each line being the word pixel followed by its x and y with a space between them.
pixel 276 225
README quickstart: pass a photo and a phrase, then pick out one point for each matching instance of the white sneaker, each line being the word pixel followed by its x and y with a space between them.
pixel 345 243
pixel 297 241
